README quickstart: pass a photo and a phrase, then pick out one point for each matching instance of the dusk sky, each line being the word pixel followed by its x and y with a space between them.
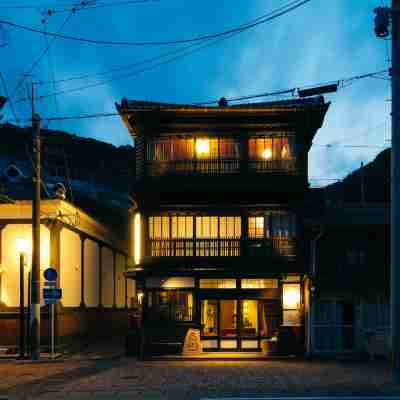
pixel 320 41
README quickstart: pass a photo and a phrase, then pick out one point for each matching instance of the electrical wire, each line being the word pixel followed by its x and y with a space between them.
pixel 3 82
pixel 250 25
pixel 140 71
pixel 115 4
pixel 145 61
pixel 111 114
pixel 70 6
pixel 37 61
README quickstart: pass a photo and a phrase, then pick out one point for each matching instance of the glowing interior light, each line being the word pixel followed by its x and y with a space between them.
pixel 202 147
pixel 291 296
pixel 137 239
pixel 267 153
pixel 22 246
pixel 285 152
pixel 140 296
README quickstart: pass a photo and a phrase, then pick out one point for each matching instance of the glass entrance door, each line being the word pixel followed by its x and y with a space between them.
pixel 230 324
pixel 228 327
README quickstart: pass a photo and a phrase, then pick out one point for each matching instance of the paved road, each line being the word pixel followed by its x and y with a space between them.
pixel 126 378
pixel 383 397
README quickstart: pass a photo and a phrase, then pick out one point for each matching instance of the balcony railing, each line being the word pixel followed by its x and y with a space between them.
pixel 278 246
pixel 268 166
pixel 219 167
pixel 190 167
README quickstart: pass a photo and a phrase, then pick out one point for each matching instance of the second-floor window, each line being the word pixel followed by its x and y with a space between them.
pixel 176 236
pixel 272 225
pixel 211 235
pixel 272 233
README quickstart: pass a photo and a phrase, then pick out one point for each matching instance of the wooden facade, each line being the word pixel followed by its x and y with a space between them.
pixel 219 238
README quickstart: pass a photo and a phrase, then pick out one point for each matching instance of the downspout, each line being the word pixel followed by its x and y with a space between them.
pixel 311 313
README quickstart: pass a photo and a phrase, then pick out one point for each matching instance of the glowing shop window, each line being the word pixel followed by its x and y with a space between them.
pixel 217 283
pixel 259 283
pixel 291 296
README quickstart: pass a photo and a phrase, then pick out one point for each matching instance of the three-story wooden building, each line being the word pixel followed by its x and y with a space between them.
pixel 218 231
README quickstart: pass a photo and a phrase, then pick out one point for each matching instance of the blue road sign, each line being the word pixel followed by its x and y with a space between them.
pixel 52 293
pixel 50 274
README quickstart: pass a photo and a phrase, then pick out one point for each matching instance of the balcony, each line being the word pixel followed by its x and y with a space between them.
pixel 219 167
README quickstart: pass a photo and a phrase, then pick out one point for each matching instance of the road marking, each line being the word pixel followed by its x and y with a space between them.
pixel 307 398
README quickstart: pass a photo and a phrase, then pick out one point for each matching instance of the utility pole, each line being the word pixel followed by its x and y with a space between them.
pixel 35 290
pixel 382 19
pixel 395 193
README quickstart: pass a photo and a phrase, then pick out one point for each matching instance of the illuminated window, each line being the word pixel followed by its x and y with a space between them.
pixel 230 227
pixel 259 283
pixel 256 227
pixel 291 301
pixel 159 227
pixel 182 227
pixel 218 227
pixel 217 283
pixel 203 148
pixel 179 149
pixel 270 148
pixel 175 236
pixel 291 296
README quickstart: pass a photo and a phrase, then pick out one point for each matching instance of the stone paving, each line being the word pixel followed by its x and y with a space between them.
pixel 127 378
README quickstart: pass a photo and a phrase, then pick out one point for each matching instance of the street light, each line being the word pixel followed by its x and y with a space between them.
pixel 22 249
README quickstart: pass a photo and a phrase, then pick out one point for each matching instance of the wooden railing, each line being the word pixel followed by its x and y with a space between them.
pixel 190 167
pixel 267 166
pixel 276 246
pixel 219 167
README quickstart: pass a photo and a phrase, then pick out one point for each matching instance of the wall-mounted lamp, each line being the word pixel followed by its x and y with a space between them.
pixel 22 246
pixel 137 239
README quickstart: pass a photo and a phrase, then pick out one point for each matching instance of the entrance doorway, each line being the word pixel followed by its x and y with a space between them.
pixel 230 324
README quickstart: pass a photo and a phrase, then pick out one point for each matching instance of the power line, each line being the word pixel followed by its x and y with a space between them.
pixel 44 52
pixel 151 59
pixel 115 4
pixel 3 82
pixel 250 25
pixel 70 6
pixel 348 81
pixel 265 94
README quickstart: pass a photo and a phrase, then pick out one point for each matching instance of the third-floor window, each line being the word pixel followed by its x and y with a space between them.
pixel 188 155
pixel 219 155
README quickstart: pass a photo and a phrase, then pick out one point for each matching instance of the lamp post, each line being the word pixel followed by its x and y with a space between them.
pixel 22 250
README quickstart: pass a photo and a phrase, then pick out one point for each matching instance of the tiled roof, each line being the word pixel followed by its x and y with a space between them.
pixel 291 103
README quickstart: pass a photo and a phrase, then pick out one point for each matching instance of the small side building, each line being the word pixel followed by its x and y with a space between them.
pixel 90 260
pixel 351 278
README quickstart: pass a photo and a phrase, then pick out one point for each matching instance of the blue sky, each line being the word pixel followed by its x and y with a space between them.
pixel 319 42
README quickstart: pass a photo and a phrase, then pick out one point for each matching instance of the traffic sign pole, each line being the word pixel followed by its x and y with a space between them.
pixel 51 295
